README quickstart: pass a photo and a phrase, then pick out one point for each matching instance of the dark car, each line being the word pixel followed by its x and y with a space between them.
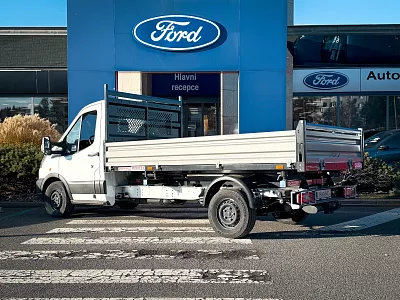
pixel 371 132
pixel 385 146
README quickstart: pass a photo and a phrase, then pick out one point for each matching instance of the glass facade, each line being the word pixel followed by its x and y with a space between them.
pixel 352 49
pixel 372 113
pixel 55 109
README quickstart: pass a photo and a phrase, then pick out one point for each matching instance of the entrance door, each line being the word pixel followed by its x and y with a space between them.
pixel 201 119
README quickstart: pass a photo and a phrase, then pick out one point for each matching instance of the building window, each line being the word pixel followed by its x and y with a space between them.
pixel 394 112
pixel 318 110
pixel 55 109
pixel 367 112
pixel 372 113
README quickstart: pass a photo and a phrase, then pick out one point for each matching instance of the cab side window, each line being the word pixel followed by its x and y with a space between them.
pixel 88 130
pixel 72 139
pixel 82 134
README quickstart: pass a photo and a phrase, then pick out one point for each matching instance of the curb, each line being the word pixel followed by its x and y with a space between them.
pixel 371 202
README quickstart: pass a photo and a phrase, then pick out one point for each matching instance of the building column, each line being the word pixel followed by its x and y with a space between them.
pixel 289 90
pixel 289 71
pixel 229 103
pixel 129 82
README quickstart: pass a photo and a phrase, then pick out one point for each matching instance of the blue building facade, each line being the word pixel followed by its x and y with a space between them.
pixel 247 38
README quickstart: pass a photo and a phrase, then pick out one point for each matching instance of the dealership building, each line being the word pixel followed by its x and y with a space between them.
pixel 234 74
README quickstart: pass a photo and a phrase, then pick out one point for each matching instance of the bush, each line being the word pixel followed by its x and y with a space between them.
pixel 19 166
pixel 20 155
pixel 21 130
pixel 375 177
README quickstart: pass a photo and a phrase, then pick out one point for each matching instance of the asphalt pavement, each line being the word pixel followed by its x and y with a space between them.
pixel 172 252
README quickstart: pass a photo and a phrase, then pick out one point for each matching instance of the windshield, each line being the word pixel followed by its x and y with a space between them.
pixel 377 138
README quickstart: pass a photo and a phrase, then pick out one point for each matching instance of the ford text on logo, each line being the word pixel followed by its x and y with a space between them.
pixel 326 80
pixel 177 32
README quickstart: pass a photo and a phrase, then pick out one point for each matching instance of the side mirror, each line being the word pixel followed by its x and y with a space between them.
pixel 46 145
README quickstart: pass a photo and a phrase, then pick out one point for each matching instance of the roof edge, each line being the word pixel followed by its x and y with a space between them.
pixel 33 30
pixel 345 29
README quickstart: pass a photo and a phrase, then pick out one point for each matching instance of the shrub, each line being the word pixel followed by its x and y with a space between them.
pixel 20 155
pixel 19 166
pixel 20 130
pixel 376 176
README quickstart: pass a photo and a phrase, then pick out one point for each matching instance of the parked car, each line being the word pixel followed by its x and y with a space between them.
pixel 371 132
pixel 385 146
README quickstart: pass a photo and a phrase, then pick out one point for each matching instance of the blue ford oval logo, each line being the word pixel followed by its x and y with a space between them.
pixel 328 80
pixel 177 32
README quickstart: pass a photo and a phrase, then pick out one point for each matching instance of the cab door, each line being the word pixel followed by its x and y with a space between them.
pixel 81 162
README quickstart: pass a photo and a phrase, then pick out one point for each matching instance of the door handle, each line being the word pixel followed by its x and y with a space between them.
pixel 94 154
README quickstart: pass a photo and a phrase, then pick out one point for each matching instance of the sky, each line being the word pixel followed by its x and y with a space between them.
pixel 306 12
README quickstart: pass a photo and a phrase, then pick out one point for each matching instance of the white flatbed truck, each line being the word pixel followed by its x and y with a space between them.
pixel 128 149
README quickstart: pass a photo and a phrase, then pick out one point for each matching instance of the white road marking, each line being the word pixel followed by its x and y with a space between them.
pixel 141 298
pixel 134 276
pixel 132 229
pixel 365 222
pixel 128 254
pixel 142 221
pixel 135 240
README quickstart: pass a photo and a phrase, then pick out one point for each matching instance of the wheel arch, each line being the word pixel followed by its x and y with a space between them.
pixel 53 177
pixel 239 183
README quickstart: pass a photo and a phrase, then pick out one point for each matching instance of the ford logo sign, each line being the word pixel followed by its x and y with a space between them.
pixel 177 32
pixel 328 80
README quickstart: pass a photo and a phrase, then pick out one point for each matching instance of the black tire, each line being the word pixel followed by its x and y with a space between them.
pixel 296 217
pixel 230 214
pixel 56 201
pixel 127 205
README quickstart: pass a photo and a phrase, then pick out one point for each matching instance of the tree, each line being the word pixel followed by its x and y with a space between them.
pixel 44 108
pixel 373 112
pixel 350 116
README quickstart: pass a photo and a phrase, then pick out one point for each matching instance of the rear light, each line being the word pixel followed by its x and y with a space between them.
pixel 305 198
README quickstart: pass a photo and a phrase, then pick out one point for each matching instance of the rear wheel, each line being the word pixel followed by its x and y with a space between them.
pixel 56 201
pixel 230 214
pixel 296 217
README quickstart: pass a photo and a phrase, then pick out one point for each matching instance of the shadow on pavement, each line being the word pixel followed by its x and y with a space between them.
pixel 38 216
pixel 150 211
pixel 315 234
pixel 20 217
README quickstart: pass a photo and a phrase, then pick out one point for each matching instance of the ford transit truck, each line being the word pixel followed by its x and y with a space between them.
pixel 129 149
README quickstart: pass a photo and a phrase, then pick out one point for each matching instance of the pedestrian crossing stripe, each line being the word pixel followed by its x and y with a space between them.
pixel 128 254
pixel 132 229
pixel 365 222
pixel 120 276
pixel 134 240
pixel 147 298
pixel 140 221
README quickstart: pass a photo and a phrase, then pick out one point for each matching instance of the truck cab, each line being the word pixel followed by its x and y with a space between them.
pixel 75 160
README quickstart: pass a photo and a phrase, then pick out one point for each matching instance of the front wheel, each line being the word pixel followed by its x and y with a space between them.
pixel 56 201
pixel 230 214
pixel 296 217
